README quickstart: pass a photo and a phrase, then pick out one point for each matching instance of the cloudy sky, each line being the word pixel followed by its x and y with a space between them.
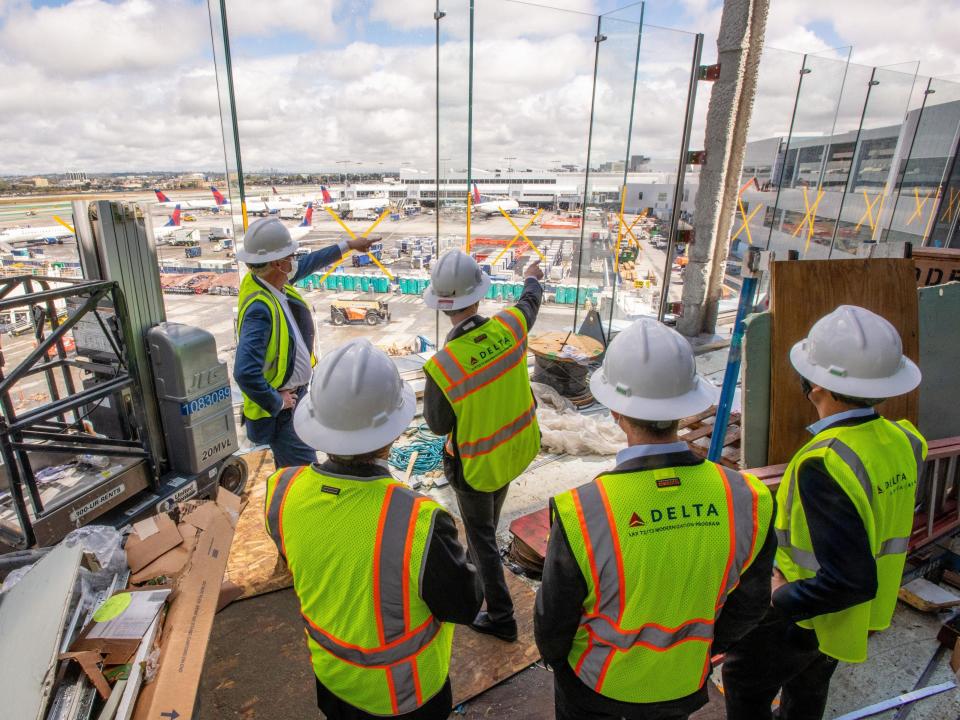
pixel 100 85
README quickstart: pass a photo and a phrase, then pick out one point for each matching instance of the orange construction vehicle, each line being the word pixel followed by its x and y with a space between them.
pixel 371 312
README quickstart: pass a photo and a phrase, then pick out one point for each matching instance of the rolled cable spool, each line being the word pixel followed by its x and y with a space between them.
pixel 564 361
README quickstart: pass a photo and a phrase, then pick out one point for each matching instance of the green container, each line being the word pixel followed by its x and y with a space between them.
pixel 489 293
pixel 382 284
pixel 496 290
pixel 365 283
pixel 331 282
pixel 340 281
pixel 421 285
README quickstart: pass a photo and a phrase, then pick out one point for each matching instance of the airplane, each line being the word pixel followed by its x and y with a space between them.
pixel 46 234
pixel 494 206
pixel 304 227
pixel 256 206
pixel 170 227
pixel 166 202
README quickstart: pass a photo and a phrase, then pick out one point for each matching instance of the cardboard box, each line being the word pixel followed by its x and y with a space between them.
pixel 121 623
pixel 151 538
pixel 189 618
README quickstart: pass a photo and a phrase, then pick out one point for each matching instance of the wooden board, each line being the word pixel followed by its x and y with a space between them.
pixel 939 329
pixel 254 561
pixel 755 390
pixel 936 265
pixel 479 661
pixel 801 292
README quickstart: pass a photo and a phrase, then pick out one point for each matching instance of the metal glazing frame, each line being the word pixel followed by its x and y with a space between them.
pixel 48 426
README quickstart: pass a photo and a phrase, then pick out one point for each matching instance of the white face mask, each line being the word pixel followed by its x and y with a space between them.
pixel 292 272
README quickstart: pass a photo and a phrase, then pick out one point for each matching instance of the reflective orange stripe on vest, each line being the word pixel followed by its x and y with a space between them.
pixel 603 625
pixel 463 383
pixel 399 644
pixel 492 442
pixel 275 511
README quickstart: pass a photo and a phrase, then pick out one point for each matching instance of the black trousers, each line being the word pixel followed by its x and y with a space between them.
pixel 481 515
pixel 438 707
pixel 575 701
pixel 775 655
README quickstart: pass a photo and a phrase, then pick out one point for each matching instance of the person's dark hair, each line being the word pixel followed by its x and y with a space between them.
pixel 364 459
pixel 450 313
pixel 257 266
pixel 658 429
pixel 857 402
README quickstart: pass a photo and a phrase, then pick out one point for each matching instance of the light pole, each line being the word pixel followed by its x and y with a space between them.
pixel 343 162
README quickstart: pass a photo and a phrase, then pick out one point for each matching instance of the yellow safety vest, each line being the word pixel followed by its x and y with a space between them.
pixel 356 547
pixel 277 357
pixel 660 551
pixel 876 464
pixel 483 374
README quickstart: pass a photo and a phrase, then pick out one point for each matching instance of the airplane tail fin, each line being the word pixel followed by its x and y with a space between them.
pixel 326 195
pixel 308 217
pixel 161 197
pixel 174 220
pixel 476 194
pixel 218 196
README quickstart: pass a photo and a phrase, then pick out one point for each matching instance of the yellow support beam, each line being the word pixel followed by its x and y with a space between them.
pixel 66 225
pixel 517 236
pixel 353 235
pixel 469 215
pixel 523 232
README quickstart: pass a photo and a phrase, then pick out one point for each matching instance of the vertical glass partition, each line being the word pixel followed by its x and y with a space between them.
pixel 801 196
pixel 532 76
pixel 757 216
pixel 871 187
pixel 641 106
pixel 923 171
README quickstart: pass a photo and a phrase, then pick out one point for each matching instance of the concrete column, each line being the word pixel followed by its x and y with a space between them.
pixel 739 45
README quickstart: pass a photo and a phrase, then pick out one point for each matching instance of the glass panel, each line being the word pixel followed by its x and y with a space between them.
pixel 868 200
pixel 756 216
pixel 336 110
pixel 800 192
pixel 624 253
pixel 923 174
pixel 532 79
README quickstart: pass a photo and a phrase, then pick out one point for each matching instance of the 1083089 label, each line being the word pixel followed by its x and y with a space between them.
pixel 214 397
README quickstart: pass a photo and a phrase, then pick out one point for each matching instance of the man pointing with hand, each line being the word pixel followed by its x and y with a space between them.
pixel 275 333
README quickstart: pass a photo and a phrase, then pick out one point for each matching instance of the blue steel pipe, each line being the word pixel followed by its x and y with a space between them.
pixel 747 291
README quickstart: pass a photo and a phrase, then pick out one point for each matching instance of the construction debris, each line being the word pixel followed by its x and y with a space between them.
pixel 91 641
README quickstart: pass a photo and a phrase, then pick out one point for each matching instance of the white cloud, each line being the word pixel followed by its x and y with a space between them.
pixel 87 37
pixel 259 17
pixel 99 85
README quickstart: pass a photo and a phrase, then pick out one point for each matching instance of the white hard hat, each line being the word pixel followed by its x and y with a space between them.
pixel 856 353
pixel 356 403
pixel 266 239
pixel 649 373
pixel 456 282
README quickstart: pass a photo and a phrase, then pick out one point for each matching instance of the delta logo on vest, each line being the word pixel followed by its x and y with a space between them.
pixel 671 517
pixel 491 351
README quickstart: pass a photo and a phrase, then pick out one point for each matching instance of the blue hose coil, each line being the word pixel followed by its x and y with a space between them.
pixel 429 446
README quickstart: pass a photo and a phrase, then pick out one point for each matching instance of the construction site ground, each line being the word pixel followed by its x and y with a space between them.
pixel 258 666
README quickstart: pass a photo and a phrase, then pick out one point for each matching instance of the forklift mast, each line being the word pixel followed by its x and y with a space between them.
pixel 137 413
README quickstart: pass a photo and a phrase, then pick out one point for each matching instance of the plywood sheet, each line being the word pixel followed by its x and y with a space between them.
pixel 479 661
pixel 755 419
pixel 801 292
pixel 254 561
pixel 939 313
